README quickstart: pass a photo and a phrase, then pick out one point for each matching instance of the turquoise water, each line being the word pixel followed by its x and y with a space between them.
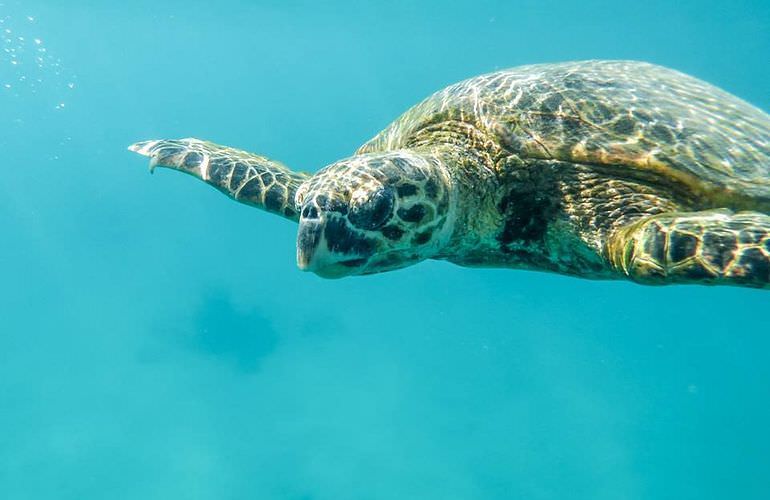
pixel 158 342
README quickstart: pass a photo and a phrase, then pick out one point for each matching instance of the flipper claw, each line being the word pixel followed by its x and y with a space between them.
pixel 147 148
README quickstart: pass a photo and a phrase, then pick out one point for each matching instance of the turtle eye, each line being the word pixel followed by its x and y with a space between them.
pixel 373 211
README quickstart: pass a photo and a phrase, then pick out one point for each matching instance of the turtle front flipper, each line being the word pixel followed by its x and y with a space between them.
pixel 245 177
pixel 716 247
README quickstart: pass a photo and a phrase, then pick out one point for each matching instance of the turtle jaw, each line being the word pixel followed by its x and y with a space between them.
pixel 332 271
pixel 313 253
pixel 309 238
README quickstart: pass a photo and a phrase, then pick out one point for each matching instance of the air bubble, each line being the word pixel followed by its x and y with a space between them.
pixel 34 69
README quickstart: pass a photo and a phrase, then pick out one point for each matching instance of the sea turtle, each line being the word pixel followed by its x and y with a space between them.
pixel 598 169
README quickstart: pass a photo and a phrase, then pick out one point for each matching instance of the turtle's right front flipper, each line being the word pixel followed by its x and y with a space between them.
pixel 245 177
pixel 716 247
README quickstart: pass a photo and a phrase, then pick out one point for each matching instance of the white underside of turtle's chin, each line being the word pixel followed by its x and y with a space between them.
pixel 333 271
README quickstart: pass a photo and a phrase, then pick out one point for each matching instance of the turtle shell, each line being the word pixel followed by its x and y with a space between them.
pixel 631 118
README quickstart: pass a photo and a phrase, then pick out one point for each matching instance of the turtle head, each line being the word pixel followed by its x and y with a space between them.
pixel 373 213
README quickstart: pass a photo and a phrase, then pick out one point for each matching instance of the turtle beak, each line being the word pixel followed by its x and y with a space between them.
pixel 314 255
pixel 309 237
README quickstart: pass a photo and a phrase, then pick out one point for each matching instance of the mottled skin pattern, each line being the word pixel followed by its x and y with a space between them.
pixel 378 211
pixel 600 169
pixel 246 177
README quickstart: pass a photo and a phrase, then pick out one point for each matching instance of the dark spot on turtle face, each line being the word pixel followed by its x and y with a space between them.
pixel 239 172
pixel 719 248
pixel 321 200
pixel 274 198
pixel 767 245
pixel 655 243
pixel 415 213
pixel 373 212
pixel 431 189
pixel 661 134
pixel 192 160
pixel 252 190
pixel 406 190
pixel 392 233
pixel 422 238
pixel 754 265
pixel 341 239
pixel 623 126
pixel 681 246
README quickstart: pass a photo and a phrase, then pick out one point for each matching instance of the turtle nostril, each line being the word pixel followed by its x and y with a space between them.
pixel 310 212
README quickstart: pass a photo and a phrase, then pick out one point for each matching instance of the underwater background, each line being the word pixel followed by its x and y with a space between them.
pixel 158 342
